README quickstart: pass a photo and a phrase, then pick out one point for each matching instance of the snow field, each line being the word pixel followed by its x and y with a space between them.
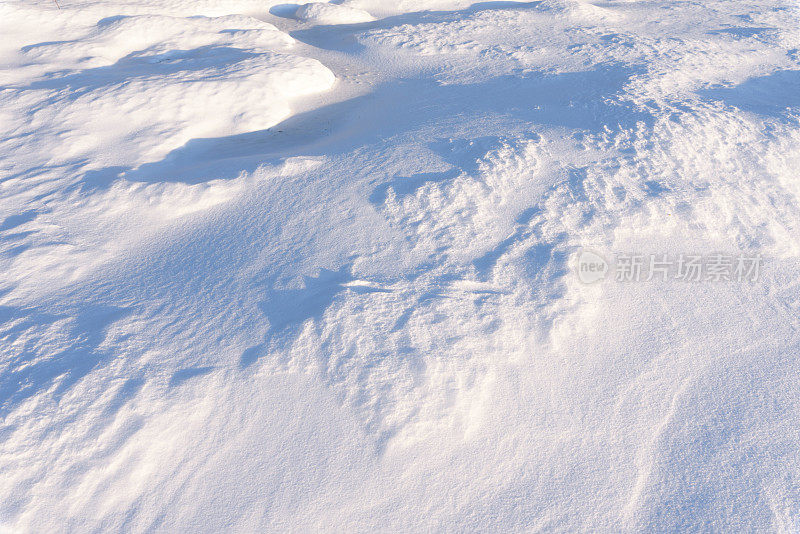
pixel 277 268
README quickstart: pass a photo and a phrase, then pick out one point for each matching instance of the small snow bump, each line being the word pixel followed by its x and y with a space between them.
pixel 322 13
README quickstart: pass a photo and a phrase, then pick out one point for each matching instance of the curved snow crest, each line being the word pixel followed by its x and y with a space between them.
pixel 140 119
pixel 322 13
pixel 116 37
pixel 143 86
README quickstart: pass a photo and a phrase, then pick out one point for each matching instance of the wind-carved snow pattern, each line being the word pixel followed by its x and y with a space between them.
pixel 108 107
pixel 312 267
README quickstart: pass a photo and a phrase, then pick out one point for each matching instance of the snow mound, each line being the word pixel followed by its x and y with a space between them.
pixel 142 86
pixel 322 13
pixel 581 11
pixel 113 38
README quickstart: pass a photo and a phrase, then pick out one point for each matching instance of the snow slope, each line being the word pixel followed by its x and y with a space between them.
pixel 275 266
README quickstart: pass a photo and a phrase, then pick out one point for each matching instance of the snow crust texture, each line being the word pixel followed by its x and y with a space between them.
pixel 273 266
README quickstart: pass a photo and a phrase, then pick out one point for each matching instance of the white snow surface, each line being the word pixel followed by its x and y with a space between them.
pixel 323 13
pixel 309 267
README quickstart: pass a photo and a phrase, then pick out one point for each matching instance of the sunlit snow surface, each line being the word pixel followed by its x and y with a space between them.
pixel 269 266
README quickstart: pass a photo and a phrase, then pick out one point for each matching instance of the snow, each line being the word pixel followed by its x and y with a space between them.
pixel 275 266
pixel 322 13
